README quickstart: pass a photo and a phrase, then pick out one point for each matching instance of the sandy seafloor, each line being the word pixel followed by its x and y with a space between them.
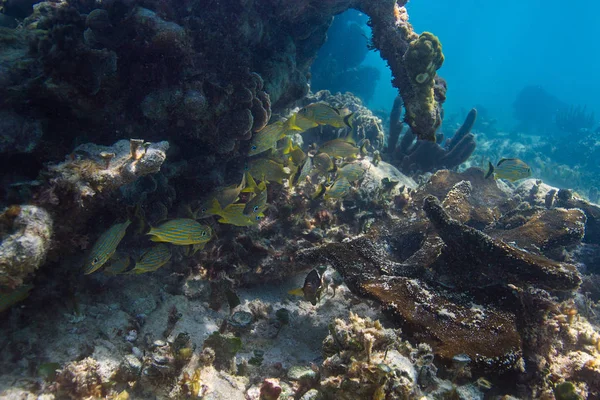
pixel 100 327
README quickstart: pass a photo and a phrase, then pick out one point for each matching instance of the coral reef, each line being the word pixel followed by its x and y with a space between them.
pixel 426 156
pixel 365 124
pixel 92 169
pixel 25 233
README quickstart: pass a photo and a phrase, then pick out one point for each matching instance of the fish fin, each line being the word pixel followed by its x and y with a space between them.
pixel 290 124
pixel 155 239
pixel 363 147
pixel 320 192
pixel 348 120
pixel 350 138
pixel 289 146
pixel 297 292
pixel 490 171
pixel 506 159
pixel 251 185
pixel 215 207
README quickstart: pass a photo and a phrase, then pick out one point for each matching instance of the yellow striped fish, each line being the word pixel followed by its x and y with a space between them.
pixel 302 173
pixel 339 148
pixel 324 114
pixel 257 204
pixel 118 265
pixel 181 232
pixel 152 260
pixel 323 162
pixel 234 214
pixel 270 170
pixel 105 247
pixel 267 137
pixel 352 171
pixel 338 190
pixel 511 169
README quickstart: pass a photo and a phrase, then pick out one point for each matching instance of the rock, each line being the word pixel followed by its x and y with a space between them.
pixel 93 168
pixel 546 230
pixel 477 253
pixel 487 336
pixel 26 233
pixel 371 184
pixel 18 134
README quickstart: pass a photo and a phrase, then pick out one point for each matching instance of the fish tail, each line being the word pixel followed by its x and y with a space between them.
pixel 349 120
pixel 251 186
pixel 291 124
pixel 490 170
pixel 215 207
pixel 363 147
pixel 297 292
pixel 320 191
pixel 289 146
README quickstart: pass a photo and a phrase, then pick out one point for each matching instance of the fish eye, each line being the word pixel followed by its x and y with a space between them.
pixel 95 260
pixel 255 208
pixel 253 147
pixel 258 217
pixel 203 233
pixel 203 210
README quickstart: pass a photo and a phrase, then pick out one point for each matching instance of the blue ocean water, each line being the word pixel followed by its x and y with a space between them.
pixel 493 51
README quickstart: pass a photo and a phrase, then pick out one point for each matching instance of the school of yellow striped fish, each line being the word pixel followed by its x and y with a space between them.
pixel 273 157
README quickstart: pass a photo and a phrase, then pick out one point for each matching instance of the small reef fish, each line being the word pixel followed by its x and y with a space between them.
pixel 339 189
pixel 225 196
pixel 340 148
pixel 234 214
pixel 257 204
pixel 181 232
pixel 117 265
pixel 352 171
pixel 152 260
pixel 271 170
pixel 324 114
pixel 268 137
pixel 312 289
pixel 511 169
pixel 105 247
pixel 294 152
pixel 323 162
pixel 302 173
pixel 252 186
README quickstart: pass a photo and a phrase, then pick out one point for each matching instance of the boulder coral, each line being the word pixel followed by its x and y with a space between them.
pixel 25 240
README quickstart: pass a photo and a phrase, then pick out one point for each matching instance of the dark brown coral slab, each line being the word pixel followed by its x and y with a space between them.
pixel 476 259
pixel 478 205
pixel 546 230
pixel 488 336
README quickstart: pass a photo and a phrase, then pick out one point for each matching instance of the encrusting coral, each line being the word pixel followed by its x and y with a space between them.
pixel 25 233
pixel 414 74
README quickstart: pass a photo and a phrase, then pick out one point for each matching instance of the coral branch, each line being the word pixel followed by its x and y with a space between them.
pixel 413 60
